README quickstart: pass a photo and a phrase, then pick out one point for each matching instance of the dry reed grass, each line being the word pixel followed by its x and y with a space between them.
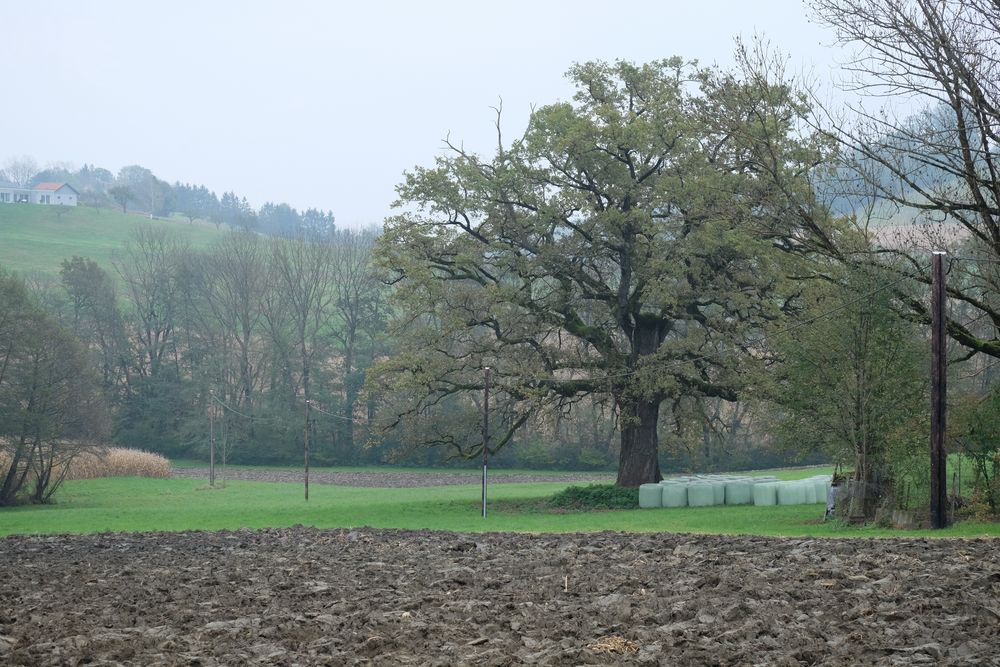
pixel 109 462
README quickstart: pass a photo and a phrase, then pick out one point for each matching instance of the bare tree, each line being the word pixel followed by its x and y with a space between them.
pixel 20 170
pixel 122 194
pixel 96 318
pixel 300 301
pixel 149 269
pixel 360 310
pixel 298 312
pixel 234 278
pixel 933 167
pixel 226 316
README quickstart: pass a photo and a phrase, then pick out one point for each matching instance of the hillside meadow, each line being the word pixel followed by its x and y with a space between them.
pixel 38 238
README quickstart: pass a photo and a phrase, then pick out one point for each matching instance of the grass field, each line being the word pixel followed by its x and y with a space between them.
pixel 132 504
pixel 38 238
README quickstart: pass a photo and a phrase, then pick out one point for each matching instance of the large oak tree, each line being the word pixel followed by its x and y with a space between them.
pixel 612 249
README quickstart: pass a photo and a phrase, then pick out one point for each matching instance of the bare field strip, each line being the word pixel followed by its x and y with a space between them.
pixel 396 480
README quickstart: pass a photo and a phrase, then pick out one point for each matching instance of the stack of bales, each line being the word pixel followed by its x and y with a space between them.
pixel 795 492
pixel 708 490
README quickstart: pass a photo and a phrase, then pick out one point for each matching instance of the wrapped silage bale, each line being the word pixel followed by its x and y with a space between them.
pixel 700 494
pixel 765 479
pixel 791 493
pixel 822 486
pixel 739 492
pixel 675 495
pixel 765 493
pixel 650 495
pixel 718 491
pixel 810 489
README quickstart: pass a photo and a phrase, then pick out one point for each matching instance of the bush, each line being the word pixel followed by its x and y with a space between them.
pixel 118 462
pixel 977 420
pixel 105 462
pixel 596 497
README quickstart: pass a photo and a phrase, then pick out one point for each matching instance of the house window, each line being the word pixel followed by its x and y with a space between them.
pixel 5 197
pixel 44 199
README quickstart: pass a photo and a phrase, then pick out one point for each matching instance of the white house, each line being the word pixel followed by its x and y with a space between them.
pixel 53 194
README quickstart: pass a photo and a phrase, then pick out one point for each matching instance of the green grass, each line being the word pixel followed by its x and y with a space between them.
pixel 129 504
pixel 38 238
pixel 783 474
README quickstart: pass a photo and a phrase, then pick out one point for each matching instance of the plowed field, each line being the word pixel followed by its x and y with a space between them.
pixel 311 597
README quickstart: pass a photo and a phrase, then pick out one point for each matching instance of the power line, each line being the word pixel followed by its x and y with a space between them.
pixel 833 311
pixel 313 405
pixel 668 365
pixel 974 259
pixel 978 317
pixel 235 411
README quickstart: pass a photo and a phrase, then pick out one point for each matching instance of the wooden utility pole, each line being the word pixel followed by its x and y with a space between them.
pixel 211 445
pixel 486 432
pixel 939 377
pixel 305 441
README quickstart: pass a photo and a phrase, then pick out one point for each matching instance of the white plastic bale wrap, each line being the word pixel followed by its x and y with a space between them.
pixel 822 485
pixel 650 496
pixel 764 479
pixel 810 489
pixel 765 493
pixel 675 495
pixel 739 493
pixel 719 487
pixel 791 493
pixel 701 494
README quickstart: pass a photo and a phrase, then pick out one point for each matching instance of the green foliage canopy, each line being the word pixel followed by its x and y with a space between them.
pixel 615 248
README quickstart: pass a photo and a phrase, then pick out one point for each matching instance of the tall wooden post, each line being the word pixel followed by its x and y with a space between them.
pixel 939 377
pixel 211 445
pixel 486 433
pixel 305 441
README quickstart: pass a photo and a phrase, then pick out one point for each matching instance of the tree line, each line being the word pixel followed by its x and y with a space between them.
pixel 137 188
pixel 182 344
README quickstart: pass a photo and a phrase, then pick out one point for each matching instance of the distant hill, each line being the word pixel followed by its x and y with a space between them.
pixel 38 238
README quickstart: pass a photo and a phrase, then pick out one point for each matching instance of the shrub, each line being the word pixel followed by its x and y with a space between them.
pixel 118 462
pixel 106 462
pixel 596 496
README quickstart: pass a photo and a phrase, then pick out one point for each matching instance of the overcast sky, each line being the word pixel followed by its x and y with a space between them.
pixel 326 104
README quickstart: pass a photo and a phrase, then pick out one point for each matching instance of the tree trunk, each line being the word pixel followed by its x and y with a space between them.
pixel 639 462
pixel 350 396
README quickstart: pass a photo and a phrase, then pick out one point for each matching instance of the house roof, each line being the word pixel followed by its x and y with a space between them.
pixel 54 186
